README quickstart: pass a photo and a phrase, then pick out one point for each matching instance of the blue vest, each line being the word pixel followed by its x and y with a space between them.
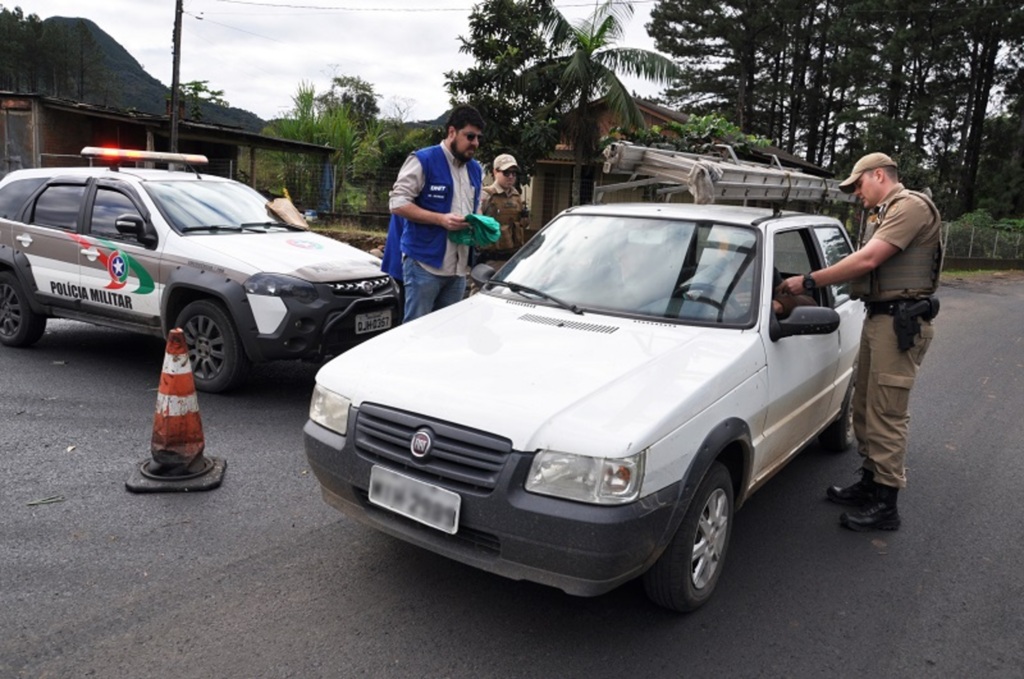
pixel 425 242
pixel 391 262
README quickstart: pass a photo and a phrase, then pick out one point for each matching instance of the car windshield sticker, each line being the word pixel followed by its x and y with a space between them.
pixel 304 244
pixel 118 264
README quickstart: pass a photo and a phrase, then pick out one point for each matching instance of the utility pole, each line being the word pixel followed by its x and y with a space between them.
pixel 174 75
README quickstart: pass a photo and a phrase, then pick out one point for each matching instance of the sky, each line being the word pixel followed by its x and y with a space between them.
pixel 259 51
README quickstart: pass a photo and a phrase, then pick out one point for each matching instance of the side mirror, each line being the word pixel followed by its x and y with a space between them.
pixel 481 273
pixel 135 225
pixel 804 320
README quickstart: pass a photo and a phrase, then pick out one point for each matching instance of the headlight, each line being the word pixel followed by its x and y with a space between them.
pixel 279 285
pixel 329 410
pixel 603 481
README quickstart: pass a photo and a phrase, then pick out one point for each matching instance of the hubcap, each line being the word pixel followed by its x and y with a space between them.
pixel 10 312
pixel 709 542
pixel 205 346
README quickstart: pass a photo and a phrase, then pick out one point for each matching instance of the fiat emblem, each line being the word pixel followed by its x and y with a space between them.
pixel 421 444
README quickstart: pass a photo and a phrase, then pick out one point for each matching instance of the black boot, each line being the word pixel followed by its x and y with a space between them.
pixel 881 514
pixel 857 494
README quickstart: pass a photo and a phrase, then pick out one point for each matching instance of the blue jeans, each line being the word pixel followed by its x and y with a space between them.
pixel 425 292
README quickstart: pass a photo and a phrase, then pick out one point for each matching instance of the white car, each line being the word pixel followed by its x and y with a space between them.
pixel 600 410
pixel 148 250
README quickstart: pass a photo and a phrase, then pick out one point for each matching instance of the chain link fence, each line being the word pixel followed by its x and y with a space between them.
pixel 979 242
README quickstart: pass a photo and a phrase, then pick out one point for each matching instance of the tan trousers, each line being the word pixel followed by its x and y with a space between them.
pixel 881 404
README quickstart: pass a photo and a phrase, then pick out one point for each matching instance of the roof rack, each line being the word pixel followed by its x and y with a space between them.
pixel 713 178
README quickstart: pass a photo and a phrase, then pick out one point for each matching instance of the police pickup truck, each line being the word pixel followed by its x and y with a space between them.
pixel 602 407
pixel 149 250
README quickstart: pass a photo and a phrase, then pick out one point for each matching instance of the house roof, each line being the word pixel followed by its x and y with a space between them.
pixel 187 129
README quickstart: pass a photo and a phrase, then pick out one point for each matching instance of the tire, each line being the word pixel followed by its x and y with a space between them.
pixel 838 436
pixel 19 325
pixel 684 576
pixel 218 359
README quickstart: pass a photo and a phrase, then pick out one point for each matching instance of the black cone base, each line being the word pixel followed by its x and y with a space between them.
pixel 144 479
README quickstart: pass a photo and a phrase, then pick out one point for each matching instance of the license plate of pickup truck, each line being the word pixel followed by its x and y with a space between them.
pixel 416 500
pixel 373 321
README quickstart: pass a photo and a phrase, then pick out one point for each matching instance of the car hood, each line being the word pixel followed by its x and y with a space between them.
pixel 309 256
pixel 547 378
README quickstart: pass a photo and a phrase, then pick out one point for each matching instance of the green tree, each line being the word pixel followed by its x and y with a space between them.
pixel 353 93
pixel 588 64
pixel 832 79
pixel 195 93
pixel 506 40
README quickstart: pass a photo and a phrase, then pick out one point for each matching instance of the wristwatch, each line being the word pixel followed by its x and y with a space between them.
pixel 809 282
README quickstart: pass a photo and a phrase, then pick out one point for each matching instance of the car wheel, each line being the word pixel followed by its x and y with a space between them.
pixel 684 576
pixel 19 325
pixel 219 362
pixel 838 436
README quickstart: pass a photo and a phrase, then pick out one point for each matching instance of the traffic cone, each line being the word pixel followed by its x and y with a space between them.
pixel 177 463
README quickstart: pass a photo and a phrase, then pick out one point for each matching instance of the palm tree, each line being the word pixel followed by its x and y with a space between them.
pixel 588 65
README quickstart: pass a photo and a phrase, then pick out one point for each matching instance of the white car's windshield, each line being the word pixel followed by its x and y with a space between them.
pixel 204 205
pixel 675 269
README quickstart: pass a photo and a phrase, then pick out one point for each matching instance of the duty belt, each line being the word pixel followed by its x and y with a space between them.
pixel 889 308
pixel 906 316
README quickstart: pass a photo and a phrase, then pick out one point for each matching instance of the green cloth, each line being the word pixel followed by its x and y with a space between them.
pixel 483 230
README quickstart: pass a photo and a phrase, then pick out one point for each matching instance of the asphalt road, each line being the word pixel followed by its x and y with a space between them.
pixel 260 578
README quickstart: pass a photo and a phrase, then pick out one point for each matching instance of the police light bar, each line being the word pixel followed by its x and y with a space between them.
pixel 143 156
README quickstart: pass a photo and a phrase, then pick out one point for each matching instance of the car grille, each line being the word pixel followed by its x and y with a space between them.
pixel 367 286
pixel 462 457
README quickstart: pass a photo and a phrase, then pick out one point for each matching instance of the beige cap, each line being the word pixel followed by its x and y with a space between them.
pixel 504 162
pixel 871 161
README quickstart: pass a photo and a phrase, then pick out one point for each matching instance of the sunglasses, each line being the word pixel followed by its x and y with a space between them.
pixel 509 173
pixel 473 136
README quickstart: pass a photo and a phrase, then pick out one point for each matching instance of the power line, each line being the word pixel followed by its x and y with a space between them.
pixel 336 8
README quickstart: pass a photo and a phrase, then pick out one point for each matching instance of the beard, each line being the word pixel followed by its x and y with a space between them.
pixel 462 154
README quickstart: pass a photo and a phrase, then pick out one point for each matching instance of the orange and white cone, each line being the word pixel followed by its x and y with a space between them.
pixel 177 428
pixel 177 446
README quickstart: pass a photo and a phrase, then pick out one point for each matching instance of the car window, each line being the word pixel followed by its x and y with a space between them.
pixel 675 269
pixel 58 206
pixel 835 245
pixel 108 206
pixel 792 256
pixel 14 195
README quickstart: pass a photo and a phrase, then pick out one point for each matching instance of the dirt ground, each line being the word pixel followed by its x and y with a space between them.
pixel 982 281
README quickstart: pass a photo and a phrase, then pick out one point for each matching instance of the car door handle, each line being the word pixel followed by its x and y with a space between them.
pixel 24 239
pixel 91 252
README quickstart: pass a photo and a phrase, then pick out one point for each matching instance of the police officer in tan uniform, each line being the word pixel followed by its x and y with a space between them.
pixel 895 273
pixel 502 201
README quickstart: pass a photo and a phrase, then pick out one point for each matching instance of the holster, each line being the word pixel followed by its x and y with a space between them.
pixel 906 315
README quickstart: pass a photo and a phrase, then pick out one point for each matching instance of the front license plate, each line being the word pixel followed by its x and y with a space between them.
pixel 373 321
pixel 414 499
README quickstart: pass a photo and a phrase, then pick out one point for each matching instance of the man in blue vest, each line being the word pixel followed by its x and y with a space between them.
pixel 435 190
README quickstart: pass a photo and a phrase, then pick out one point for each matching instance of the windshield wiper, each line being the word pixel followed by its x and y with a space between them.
pixel 213 227
pixel 520 289
pixel 270 224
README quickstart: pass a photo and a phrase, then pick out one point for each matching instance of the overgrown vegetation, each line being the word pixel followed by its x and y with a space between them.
pixel 699 134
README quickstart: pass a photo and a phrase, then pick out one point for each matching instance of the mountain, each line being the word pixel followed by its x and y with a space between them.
pixel 133 88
